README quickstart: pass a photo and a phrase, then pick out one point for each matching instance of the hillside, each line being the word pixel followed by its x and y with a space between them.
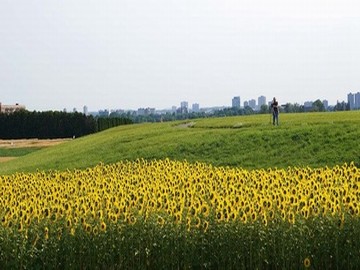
pixel 308 139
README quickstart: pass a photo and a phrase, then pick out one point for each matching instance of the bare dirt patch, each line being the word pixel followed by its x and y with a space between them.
pixel 4 159
pixel 186 125
pixel 30 143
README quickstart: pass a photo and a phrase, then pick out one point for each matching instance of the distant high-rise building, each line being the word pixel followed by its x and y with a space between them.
pixel 308 106
pixel 141 111
pixel 351 101
pixel 236 102
pixel 246 104
pixel 354 101
pixel 104 113
pixel 261 101
pixel 184 106
pixel 85 110
pixel 196 107
pixel 252 104
pixel 145 111
pixel 326 104
pixel 357 100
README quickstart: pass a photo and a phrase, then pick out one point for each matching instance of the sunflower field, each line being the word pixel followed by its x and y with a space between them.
pixel 165 214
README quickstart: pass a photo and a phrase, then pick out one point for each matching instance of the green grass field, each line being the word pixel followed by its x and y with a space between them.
pixel 308 139
pixel 17 152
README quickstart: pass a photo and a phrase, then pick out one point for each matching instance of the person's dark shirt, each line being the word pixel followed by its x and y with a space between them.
pixel 274 106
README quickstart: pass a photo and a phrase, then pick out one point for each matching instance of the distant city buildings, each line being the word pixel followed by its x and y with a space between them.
pixel 252 104
pixel 195 107
pixel 236 102
pixel 261 101
pixel 326 104
pixel 308 106
pixel 354 101
pixel 104 113
pixel 357 100
pixel 146 111
pixel 184 107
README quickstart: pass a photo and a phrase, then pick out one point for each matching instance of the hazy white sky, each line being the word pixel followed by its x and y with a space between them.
pixel 126 54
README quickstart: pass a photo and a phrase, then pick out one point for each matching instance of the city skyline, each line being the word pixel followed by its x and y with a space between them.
pixel 238 103
pixel 252 102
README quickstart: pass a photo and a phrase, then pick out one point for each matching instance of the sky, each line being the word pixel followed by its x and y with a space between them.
pixel 127 54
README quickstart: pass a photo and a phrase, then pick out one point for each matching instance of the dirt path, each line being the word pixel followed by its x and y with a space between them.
pixel 4 159
pixel 30 143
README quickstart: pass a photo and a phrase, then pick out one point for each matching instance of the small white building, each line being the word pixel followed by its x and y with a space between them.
pixel 11 108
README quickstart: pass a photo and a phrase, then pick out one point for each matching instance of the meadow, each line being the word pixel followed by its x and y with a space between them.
pixel 251 142
pixel 217 193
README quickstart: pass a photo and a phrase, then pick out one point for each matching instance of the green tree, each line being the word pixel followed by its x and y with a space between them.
pixel 318 106
pixel 264 109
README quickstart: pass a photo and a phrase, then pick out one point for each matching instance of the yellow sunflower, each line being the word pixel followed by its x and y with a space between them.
pixel 307 262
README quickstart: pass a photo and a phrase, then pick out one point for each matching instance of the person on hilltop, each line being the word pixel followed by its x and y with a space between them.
pixel 275 111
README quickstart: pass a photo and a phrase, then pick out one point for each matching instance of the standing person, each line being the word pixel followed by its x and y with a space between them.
pixel 275 111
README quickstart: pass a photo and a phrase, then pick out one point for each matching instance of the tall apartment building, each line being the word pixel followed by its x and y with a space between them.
pixel 196 107
pixel 184 107
pixel 261 101
pixel 236 102
pixel 326 104
pixel 11 108
pixel 357 100
pixel 351 101
pixel 252 104
pixel 354 101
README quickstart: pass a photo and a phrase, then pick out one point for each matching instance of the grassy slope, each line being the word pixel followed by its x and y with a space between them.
pixel 311 139
pixel 17 152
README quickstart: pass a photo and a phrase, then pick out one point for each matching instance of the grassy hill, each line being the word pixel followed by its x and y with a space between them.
pixel 308 139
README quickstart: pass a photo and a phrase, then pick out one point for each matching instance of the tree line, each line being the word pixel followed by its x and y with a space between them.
pixel 53 124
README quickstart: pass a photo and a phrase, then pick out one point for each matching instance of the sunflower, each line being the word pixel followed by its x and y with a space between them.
pixel 291 218
pixel 198 222
pixel 103 226
pixel 20 226
pixel 3 220
pixel 95 230
pixel 87 228
pixel 205 210
pixel 46 233
pixel 253 216
pixel 161 221
pixel 132 219
pixel 177 218
pixel 244 218
pixel 205 226
pixel 219 216
pixel 307 262
pixel 68 223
